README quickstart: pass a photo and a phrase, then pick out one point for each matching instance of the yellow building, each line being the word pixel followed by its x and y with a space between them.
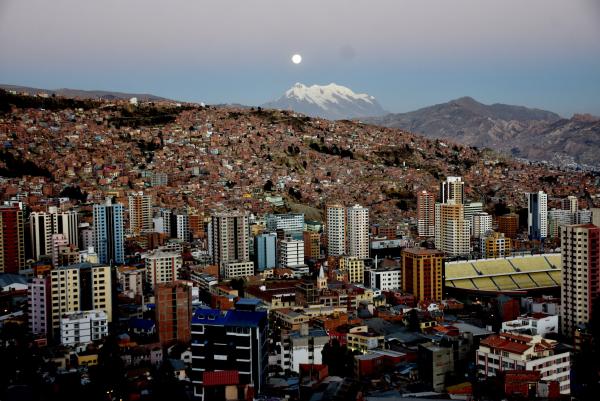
pixel 80 287
pixel 422 273
pixel 361 339
pixel 355 268
pixel 496 245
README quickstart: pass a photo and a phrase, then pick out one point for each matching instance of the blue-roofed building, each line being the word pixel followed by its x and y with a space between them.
pixel 144 327
pixel 233 341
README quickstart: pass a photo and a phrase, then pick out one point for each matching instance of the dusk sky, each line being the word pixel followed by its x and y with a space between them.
pixel 408 54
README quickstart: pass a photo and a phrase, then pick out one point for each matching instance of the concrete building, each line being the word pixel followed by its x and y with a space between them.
pixel 180 226
pixel 173 312
pixel 304 346
pixel 292 224
pixel 453 188
pixel 383 279
pixel 265 251
pixel 79 328
pixel 291 253
pixel 558 218
pixel 312 245
pixel 131 280
pixel 452 231
pixel 108 232
pixel 471 209
pixel 357 231
pixel 537 215
pixel 426 214
pixel 509 225
pixel 234 269
pixel 435 363
pixel 42 225
pixel 140 213
pixel 12 239
pixel 78 288
pixel 336 230
pixel 538 324
pixel 162 267
pixel 507 351
pixel 481 224
pixel 496 245
pixel 355 268
pixel 580 278
pixel 422 273
pixel 39 305
pixel 213 334
pixel 229 237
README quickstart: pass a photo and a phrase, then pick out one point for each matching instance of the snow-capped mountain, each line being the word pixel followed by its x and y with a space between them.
pixel 334 102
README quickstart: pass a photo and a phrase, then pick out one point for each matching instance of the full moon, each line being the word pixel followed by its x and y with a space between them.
pixel 296 59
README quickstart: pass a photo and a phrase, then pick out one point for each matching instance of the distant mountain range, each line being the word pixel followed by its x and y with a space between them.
pixel 84 94
pixel 334 102
pixel 520 131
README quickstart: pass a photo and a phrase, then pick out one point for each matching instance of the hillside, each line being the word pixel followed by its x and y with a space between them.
pixel 221 157
pixel 83 94
pixel 530 133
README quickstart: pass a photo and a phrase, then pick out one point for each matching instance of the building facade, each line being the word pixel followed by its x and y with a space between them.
pixel 108 233
pixel 12 239
pixel 162 267
pixel 452 230
pixel 173 312
pixel 229 237
pixel 78 328
pixel 265 251
pixel 422 273
pixel 336 230
pixel 357 230
pixel 453 188
pixel 426 214
pixel 537 215
pixel 140 213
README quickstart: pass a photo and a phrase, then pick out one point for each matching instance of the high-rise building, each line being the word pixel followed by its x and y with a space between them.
pixel 292 224
pixel 140 213
pixel 481 224
pixel 58 241
pixel 537 215
pixel 453 188
pixel 571 204
pixel 452 231
pixel 596 216
pixel 312 245
pixel 422 273
pixel 357 229
pixel 42 225
pixel 426 214
pixel 265 248
pixel 180 226
pixel 291 253
pixel 108 232
pixel 229 234
pixel 580 278
pixel 496 245
pixel 235 269
pixel 173 312
pixel 214 332
pixel 78 288
pixel 162 267
pixel 336 230
pixel 471 209
pixel 558 218
pixel 12 240
pixel 39 305
pixel 509 225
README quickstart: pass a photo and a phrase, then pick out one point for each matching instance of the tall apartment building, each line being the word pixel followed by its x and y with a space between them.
pixel 179 226
pixel 580 278
pixel 140 213
pixel 78 288
pixel 131 280
pixel 42 225
pixel 59 241
pixel 12 240
pixel 509 225
pixel 336 230
pixel 108 232
pixel 452 231
pixel 228 344
pixel 481 224
pixel 537 215
pixel 426 214
pixel 162 267
pixel 453 188
pixel 355 267
pixel 291 253
pixel 312 245
pixel 357 231
pixel 292 224
pixel 173 312
pixel 422 273
pixel 229 237
pixel 496 245
pixel 471 209
pixel 558 218
pixel 39 305
pixel 571 204
pixel 265 251
pixel 383 279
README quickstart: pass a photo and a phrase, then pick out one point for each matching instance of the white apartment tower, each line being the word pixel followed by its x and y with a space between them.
pixel 336 230
pixel 358 231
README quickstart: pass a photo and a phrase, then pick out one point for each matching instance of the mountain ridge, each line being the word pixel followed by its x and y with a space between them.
pixel 84 93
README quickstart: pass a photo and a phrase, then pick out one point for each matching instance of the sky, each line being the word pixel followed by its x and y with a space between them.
pixel 406 53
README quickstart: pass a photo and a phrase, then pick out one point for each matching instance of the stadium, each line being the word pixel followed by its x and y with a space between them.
pixel 519 275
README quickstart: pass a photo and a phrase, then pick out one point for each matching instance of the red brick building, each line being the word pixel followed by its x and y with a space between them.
pixel 12 239
pixel 173 312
